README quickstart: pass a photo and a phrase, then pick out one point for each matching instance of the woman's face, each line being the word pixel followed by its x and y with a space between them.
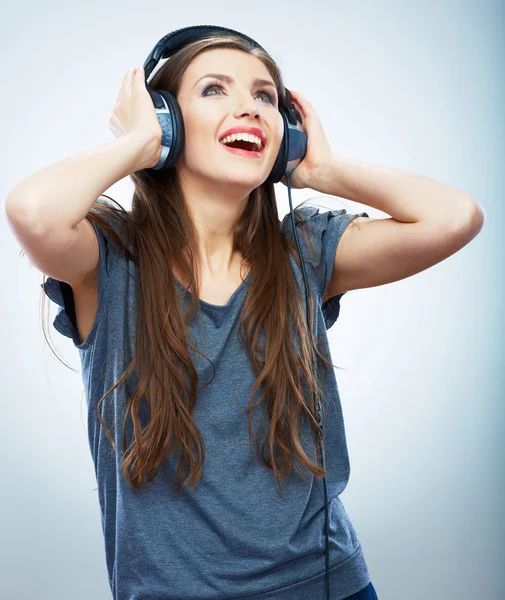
pixel 209 111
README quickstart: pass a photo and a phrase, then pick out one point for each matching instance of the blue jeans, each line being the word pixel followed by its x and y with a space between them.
pixel 367 593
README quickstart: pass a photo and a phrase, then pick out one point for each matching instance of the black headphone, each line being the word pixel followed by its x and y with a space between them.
pixel 294 141
pixel 291 152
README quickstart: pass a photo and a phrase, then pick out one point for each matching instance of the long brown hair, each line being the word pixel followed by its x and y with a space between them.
pixel 162 232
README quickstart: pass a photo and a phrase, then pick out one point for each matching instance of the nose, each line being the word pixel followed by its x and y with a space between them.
pixel 249 107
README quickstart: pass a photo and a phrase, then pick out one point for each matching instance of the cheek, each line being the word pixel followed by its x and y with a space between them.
pixel 279 132
pixel 197 138
pixel 200 130
pixel 280 128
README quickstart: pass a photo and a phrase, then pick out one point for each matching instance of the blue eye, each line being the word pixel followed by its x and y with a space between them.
pixel 269 95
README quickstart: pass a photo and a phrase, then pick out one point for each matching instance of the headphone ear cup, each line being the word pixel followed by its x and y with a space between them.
pixel 172 126
pixel 281 162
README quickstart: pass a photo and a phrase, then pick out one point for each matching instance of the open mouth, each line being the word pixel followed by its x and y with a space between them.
pixel 244 145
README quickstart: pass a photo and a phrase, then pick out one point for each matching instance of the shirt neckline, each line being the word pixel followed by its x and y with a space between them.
pixel 219 306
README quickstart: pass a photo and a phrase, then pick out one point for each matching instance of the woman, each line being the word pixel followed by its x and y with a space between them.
pixel 213 488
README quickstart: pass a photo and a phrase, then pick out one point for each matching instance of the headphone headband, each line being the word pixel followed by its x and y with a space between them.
pixel 174 41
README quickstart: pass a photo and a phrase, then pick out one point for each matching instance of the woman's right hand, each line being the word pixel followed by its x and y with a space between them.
pixel 134 114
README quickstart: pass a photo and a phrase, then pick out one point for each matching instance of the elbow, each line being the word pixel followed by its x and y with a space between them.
pixel 20 212
pixel 472 219
pixel 477 217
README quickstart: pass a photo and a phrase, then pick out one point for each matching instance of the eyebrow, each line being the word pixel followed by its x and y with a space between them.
pixel 228 79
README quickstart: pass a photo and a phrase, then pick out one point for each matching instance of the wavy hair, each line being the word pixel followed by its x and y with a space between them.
pixel 161 232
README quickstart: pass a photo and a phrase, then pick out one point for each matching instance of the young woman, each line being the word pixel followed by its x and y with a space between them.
pixel 188 314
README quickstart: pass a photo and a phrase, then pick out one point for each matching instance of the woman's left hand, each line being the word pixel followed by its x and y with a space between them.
pixel 318 147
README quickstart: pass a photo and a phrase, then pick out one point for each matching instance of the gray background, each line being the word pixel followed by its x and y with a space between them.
pixel 416 86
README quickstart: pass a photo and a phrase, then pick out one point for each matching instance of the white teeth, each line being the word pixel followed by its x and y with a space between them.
pixel 248 137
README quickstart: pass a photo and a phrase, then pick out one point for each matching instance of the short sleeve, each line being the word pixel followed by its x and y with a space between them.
pixel 325 228
pixel 60 292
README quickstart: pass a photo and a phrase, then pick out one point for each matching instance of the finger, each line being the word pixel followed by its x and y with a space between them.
pixel 129 75
pixel 127 87
pixel 299 96
pixel 139 77
pixel 126 79
pixel 298 101
pixel 302 100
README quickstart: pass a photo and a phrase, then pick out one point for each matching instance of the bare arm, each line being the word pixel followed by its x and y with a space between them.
pixel 430 222
pixel 65 191
pixel 47 211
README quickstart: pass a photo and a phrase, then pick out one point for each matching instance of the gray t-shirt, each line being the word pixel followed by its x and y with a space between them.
pixel 235 535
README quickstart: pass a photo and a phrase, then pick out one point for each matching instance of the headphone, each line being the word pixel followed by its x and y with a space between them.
pixel 291 152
